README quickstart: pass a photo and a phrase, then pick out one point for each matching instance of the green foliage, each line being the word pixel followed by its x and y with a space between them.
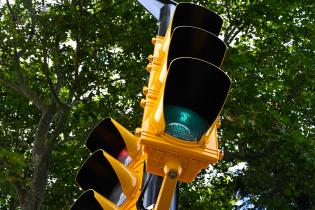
pixel 98 48
pixel 268 119
pixel 208 192
pixel 94 52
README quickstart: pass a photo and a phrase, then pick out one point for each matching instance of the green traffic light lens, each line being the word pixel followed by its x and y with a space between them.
pixel 184 123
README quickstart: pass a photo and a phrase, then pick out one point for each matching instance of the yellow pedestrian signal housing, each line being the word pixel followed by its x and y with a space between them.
pixel 186 92
pixel 112 175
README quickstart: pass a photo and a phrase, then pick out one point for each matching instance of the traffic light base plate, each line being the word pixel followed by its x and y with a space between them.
pixel 160 149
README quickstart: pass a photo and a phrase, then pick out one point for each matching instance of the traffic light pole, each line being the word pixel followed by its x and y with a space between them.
pixel 165 18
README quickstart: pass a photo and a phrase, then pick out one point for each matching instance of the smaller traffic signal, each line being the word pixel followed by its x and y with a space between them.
pixel 112 175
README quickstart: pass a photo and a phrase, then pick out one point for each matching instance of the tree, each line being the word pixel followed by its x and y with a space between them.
pixel 64 65
pixel 67 64
pixel 268 120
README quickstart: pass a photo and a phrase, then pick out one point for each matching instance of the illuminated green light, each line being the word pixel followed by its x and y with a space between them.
pixel 184 123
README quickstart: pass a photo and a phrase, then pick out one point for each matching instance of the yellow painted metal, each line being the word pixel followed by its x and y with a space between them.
pixel 131 141
pixel 126 178
pixel 108 205
pixel 160 146
pixel 172 170
pixel 105 203
pixel 137 168
pixel 172 166
pixel 166 193
pixel 131 176
pixel 130 179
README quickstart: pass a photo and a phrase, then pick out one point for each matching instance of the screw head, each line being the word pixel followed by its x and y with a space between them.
pixel 153 40
pixel 149 67
pixel 145 90
pixel 143 103
pixel 150 58
pixel 172 174
pixel 138 132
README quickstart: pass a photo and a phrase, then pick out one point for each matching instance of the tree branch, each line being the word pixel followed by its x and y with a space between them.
pixel 60 118
pixel 233 36
pixel 54 90
pixel 227 7
pixel 11 11
pixel 9 84
pixel 45 68
pixel 229 31
pixel 22 86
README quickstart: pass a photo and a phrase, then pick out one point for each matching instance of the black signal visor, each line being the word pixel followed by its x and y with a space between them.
pixel 106 136
pixel 197 85
pixel 187 14
pixel 194 42
pixel 98 174
pixel 86 201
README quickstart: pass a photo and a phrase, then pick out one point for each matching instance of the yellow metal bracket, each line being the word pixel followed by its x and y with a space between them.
pixel 172 170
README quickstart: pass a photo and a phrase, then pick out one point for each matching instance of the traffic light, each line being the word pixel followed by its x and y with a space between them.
pixel 186 92
pixel 178 137
pixel 112 175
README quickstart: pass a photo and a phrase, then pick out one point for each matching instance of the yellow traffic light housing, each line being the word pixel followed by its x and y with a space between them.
pixel 112 175
pixel 178 137
pixel 185 94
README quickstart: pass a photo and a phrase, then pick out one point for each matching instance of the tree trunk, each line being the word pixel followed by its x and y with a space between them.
pixel 32 196
pixel 32 199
